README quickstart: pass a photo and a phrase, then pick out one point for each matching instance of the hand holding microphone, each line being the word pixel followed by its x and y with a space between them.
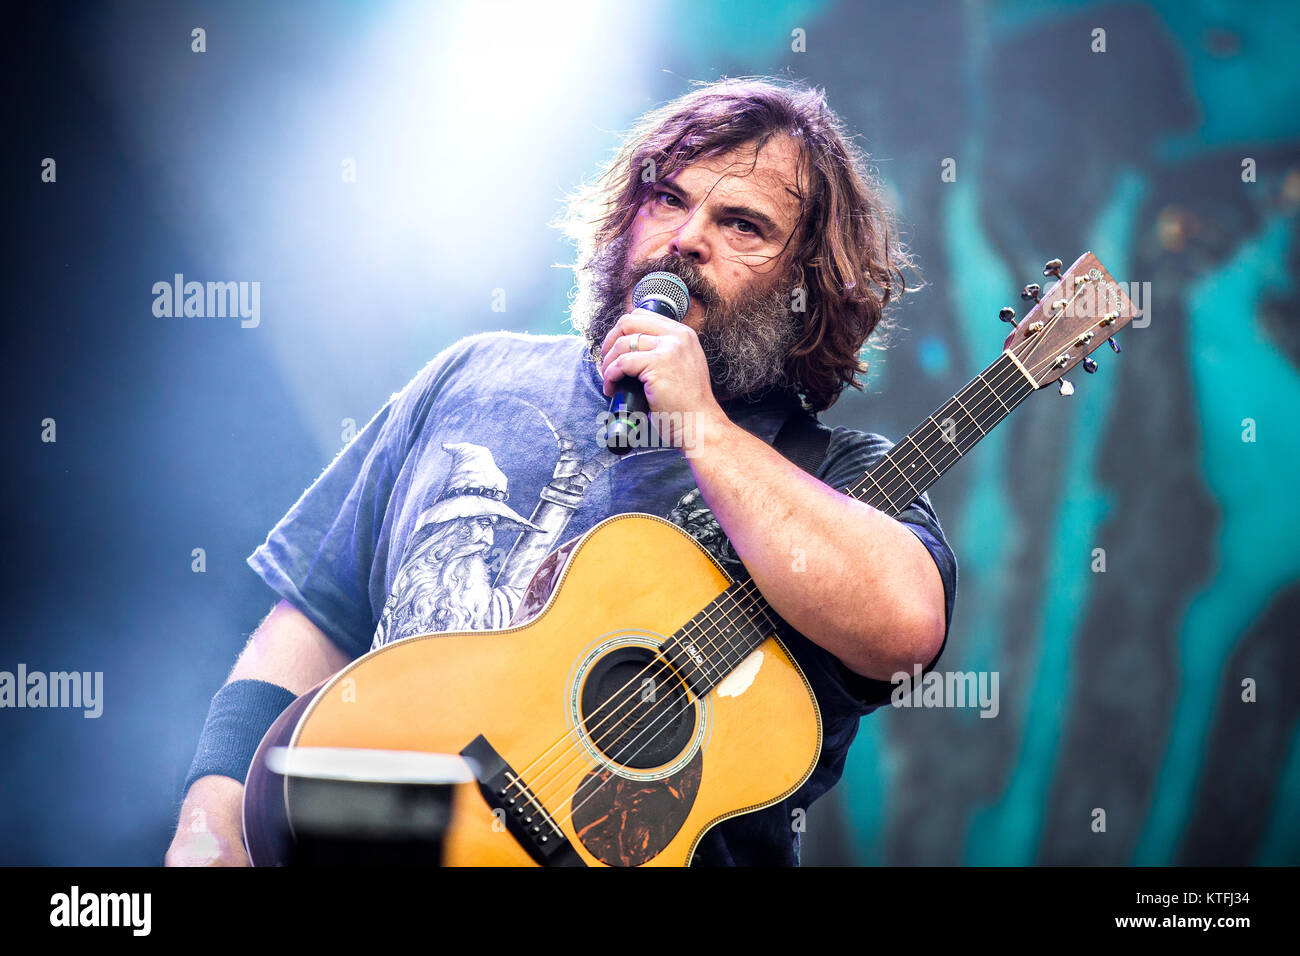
pixel 663 294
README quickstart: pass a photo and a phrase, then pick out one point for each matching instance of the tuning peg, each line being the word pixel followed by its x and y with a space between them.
pixel 1053 268
pixel 1089 365
pixel 1032 291
pixel 1007 314
pixel 1114 344
pixel 1065 388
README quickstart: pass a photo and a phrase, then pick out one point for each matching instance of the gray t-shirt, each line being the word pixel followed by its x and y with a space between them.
pixel 435 516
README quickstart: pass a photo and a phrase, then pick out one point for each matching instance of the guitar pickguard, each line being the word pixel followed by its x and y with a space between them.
pixel 626 822
pixel 543 582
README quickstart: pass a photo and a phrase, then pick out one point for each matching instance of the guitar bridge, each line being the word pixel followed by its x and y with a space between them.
pixel 514 804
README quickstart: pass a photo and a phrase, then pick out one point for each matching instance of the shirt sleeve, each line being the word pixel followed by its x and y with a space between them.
pixel 327 556
pixel 850 454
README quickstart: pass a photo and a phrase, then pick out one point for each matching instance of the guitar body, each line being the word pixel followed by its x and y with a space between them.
pixel 633 786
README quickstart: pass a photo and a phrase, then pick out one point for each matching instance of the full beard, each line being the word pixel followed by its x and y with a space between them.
pixel 745 340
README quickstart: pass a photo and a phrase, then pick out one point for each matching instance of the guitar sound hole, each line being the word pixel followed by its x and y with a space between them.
pixel 635 709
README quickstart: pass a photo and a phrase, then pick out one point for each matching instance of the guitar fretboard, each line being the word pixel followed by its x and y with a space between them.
pixel 722 635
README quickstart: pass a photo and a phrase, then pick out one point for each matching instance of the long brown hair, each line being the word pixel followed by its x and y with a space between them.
pixel 847 255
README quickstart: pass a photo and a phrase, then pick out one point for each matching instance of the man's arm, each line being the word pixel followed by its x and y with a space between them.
pixel 850 578
pixel 286 649
pixel 289 650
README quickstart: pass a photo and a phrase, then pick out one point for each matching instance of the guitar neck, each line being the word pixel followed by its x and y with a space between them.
pixel 713 642
pixel 939 442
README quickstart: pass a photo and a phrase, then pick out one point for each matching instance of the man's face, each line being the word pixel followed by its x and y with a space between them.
pixel 723 226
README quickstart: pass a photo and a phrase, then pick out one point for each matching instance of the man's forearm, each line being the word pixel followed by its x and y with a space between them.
pixel 286 650
pixel 849 577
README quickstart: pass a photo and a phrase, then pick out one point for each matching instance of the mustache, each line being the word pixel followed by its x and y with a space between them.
pixel 701 289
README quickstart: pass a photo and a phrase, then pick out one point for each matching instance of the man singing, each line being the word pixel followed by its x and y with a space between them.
pixel 437 515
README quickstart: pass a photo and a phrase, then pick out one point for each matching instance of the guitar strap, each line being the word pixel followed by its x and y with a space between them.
pixel 804 440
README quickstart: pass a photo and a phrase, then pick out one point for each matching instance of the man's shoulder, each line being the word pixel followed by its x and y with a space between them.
pixel 500 340
pixel 501 352
pixel 479 361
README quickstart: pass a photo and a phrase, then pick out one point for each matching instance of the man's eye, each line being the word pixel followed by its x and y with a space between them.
pixel 745 227
pixel 669 199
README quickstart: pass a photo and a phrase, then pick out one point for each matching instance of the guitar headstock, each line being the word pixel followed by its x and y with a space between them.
pixel 1083 308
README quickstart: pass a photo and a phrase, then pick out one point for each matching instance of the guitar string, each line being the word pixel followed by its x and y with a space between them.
pixel 748 591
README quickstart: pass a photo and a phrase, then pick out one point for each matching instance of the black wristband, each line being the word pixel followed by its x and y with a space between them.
pixel 239 717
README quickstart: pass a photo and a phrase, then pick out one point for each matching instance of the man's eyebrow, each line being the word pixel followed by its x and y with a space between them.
pixel 749 212
pixel 741 212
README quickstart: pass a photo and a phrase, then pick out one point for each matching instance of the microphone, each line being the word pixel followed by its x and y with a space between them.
pixel 666 295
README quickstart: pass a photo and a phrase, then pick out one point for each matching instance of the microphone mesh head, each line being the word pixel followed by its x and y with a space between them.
pixel 666 287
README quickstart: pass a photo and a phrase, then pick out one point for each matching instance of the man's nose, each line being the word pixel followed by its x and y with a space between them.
pixel 690 241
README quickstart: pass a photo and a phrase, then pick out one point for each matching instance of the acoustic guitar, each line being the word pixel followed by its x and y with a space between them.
pixel 616 721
